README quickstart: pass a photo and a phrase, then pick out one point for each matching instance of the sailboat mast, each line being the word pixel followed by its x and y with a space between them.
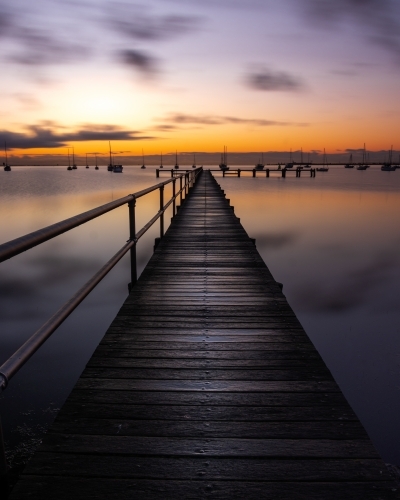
pixel 109 144
pixel 5 151
pixel 69 161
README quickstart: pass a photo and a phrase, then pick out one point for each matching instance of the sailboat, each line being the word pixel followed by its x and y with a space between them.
pixel 87 166
pixel 308 164
pixel 74 167
pixel 110 166
pixel 7 167
pixel 260 164
pixel 324 167
pixel 194 160
pixel 363 165
pixel 143 165
pixel 291 162
pixel 161 164
pixel 176 160
pixel 224 161
pixel 69 161
pixel 96 167
pixel 387 166
pixel 350 164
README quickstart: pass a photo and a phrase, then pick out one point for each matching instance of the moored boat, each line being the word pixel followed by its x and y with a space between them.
pixel 350 164
pixel 260 164
pixel 143 165
pixel 7 167
pixel 324 167
pixel 224 161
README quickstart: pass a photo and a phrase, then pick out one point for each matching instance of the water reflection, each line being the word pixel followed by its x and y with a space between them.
pixel 331 241
pixel 35 284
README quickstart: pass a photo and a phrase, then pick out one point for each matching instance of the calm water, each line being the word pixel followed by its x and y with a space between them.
pixel 332 241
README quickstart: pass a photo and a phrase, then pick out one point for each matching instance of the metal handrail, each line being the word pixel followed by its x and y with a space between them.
pixel 13 364
pixel 30 240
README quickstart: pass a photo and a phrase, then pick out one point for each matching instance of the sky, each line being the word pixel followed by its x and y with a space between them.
pixel 191 75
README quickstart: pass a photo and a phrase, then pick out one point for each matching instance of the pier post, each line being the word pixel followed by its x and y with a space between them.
pixel 223 173
pixel 283 173
pixel 157 172
pixel 238 172
pixel 161 208
pixel 180 187
pixel 172 172
pixel 173 195
pixel 254 172
pixel 267 172
pixel 132 236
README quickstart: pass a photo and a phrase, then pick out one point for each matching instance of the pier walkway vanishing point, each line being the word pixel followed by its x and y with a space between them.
pixel 206 386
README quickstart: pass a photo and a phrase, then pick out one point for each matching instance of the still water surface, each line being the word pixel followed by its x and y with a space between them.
pixel 332 241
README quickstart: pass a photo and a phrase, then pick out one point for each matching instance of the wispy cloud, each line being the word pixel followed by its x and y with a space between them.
pixel 178 119
pixel 146 64
pixel 139 23
pixel 377 20
pixel 49 135
pixel 267 80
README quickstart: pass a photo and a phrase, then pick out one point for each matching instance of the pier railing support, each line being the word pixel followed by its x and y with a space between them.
pixel 3 461
pixel 132 237
pixel 254 172
pixel 173 196
pixel 162 208
pixel 180 187
pixel 267 172
pixel 238 172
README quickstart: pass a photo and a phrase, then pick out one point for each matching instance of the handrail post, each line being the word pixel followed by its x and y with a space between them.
pixel 180 184
pixel 3 460
pixel 173 195
pixel 162 208
pixel 132 237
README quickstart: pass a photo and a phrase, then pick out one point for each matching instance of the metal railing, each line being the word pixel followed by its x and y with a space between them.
pixel 15 247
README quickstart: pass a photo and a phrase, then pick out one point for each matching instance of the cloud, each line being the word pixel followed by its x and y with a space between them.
pixel 49 135
pixel 269 81
pixel 139 60
pixel 378 20
pixel 187 119
pixel 137 23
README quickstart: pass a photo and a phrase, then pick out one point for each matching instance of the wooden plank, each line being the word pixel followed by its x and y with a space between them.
pixel 206 386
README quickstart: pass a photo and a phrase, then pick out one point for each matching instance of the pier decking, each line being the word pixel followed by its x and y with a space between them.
pixel 206 386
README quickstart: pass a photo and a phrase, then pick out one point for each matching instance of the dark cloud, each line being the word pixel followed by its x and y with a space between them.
pixel 136 22
pixel 146 64
pixel 39 48
pixel 186 119
pixel 50 136
pixel 378 20
pixel 269 81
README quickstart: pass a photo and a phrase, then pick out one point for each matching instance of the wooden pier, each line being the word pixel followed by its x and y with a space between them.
pixel 206 386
